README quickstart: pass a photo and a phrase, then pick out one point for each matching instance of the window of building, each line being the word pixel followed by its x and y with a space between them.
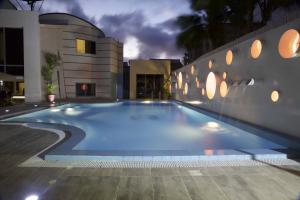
pixel 85 46
pixel 12 51
pixel 1 47
pixel 85 89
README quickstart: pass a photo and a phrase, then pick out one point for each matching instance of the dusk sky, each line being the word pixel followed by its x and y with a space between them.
pixel 146 27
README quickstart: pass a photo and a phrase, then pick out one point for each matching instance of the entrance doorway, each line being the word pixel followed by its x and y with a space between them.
pixel 149 86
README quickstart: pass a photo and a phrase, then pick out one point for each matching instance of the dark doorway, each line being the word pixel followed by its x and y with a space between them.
pixel 149 86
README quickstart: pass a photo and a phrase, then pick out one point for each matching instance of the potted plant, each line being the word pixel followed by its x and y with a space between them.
pixel 52 61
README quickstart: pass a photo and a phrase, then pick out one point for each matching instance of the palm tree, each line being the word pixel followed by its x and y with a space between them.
pixel 210 18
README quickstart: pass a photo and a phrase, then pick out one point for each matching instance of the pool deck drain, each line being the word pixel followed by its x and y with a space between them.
pixel 38 162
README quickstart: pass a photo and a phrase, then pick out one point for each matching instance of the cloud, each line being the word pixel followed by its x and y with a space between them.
pixel 135 29
pixel 155 41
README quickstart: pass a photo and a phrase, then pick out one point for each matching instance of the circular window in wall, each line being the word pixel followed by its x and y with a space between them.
pixel 197 82
pixel 275 96
pixel 224 75
pixel 211 85
pixel 223 89
pixel 179 80
pixel 192 69
pixel 210 64
pixel 186 89
pixel 289 43
pixel 203 91
pixel 229 57
pixel 256 48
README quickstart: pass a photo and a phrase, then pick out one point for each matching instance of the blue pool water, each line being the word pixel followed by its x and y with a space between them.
pixel 133 126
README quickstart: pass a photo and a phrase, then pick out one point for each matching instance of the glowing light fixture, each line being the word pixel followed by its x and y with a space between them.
pixel 211 85
pixel 213 125
pixel 223 89
pixel 186 89
pixel 192 69
pixel 179 80
pixel 256 48
pixel 54 110
pixel 147 102
pixel 229 57
pixel 224 75
pixel 210 64
pixel 18 97
pixel 194 102
pixel 275 96
pixel 289 43
pixel 32 197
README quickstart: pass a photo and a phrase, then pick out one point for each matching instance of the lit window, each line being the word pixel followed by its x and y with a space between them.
pixel 210 64
pixel 223 89
pixel 275 96
pixel 211 84
pixel 229 57
pixel 289 44
pixel 85 46
pixel 179 80
pixel 186 89
pixel 256 48
pixel 80 46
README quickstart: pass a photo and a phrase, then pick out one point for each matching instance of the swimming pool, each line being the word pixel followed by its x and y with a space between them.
pixel 146 130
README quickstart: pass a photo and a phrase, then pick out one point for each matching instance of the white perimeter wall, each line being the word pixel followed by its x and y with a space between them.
pixel 252 103
pixel 29 21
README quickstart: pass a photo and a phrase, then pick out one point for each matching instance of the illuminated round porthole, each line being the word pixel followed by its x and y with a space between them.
pixel 224 75
pixel 229 57
pixel 203 92
pixel 289 44
pixel 186 89
pixel 179 80
pixel 256 48
pixel 275 96
pixel 210 64
pixel 192 69
pixel 223 89
pixel 211 85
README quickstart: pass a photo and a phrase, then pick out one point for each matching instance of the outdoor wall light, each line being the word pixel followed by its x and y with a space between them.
pixel 250 82
pixel 275 96
pixel 289 44
pixel 179 80
pixel 229 57
pixel 211 85
pixel 256 48
pixel 186 89
pixel 210 64
pixel 223 89
pixel 192 69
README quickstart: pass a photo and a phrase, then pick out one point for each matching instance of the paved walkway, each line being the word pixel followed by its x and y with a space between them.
pixel 241 183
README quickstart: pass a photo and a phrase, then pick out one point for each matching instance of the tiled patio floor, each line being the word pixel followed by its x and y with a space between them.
pixel 19 143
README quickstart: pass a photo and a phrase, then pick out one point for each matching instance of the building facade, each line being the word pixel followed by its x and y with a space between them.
pixel 147 78
pixel 91 62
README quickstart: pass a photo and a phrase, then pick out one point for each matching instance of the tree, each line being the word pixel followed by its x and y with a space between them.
pixel 221 21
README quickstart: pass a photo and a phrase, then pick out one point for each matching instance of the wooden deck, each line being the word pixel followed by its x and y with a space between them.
pixel 241 183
